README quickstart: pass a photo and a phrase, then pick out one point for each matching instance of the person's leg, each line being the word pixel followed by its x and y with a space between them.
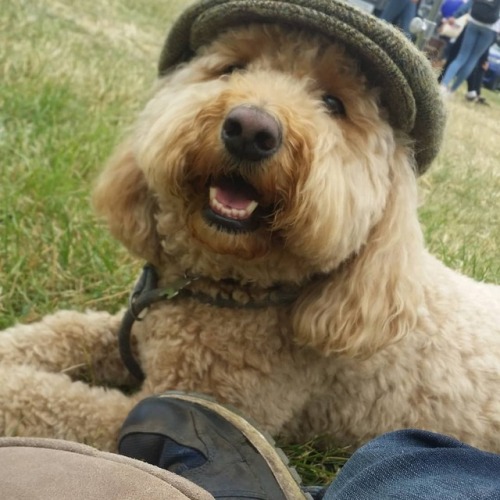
pixel 468 42
pixel 482 67
pixel 379 6
pixel 53 469
pixel 475 79
pixel 413 464
pixel 408 13
pixel 451 54
pixel 483 39
pixel 393 10
pixel 474 82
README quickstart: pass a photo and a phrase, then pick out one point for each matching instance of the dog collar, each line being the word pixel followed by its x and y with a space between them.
pixel 146 292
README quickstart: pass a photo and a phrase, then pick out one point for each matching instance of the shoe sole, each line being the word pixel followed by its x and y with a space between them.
pixel 286 476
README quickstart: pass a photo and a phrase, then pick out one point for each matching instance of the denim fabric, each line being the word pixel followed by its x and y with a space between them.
pixel 400 13
pixel 412 464
pixel 476 41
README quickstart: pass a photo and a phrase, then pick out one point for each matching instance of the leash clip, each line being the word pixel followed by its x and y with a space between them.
pixel 146 291
pixel 171 291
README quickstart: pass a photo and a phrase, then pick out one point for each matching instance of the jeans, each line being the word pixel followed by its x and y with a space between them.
pixel 400 13
pixel 413 464
pixel 476 41
pixel 475 79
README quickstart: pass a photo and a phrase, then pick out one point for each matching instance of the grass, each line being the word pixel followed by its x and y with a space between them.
pixel 72 76
pixel 461 193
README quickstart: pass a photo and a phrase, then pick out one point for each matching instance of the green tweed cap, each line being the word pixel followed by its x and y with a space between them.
pixel 389 60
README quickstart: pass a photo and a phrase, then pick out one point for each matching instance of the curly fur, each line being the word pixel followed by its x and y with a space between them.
pixel 381 336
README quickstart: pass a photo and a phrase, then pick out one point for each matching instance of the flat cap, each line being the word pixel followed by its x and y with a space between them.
pixel 409 87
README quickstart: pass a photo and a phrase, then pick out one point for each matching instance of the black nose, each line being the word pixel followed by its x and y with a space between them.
pixel 249 133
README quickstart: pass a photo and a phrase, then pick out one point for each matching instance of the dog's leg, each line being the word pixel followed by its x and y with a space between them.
pixel 83 345
pixel 51 405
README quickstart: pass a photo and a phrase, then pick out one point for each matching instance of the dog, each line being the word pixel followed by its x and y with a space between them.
pixel 265 180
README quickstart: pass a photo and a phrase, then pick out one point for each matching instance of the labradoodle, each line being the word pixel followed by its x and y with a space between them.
pixel 267 189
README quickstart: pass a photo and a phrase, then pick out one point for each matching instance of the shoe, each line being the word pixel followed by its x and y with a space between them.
pixel 481 100
pixel 471 95
pixel 445 92
pixel 209 444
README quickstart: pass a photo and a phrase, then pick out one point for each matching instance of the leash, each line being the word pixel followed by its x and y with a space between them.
pixel 144 294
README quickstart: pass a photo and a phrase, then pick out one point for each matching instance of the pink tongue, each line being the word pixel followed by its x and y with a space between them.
pixel 234 193
pixel 232 199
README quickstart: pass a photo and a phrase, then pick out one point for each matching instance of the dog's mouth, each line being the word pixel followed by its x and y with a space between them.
pixel 233 205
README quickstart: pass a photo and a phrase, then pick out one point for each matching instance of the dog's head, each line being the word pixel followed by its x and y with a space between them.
pixel 269 158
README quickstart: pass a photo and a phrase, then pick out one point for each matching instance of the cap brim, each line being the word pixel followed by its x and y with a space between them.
pixel 409 88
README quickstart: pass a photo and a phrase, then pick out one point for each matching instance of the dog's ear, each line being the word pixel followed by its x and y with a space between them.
pixel 122 197
pixel 372 299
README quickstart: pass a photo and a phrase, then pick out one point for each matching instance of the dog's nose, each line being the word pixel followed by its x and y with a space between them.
pixel 249 133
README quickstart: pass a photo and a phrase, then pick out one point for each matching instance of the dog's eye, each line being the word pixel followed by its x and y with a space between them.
pixel 334 105
pixel 232 68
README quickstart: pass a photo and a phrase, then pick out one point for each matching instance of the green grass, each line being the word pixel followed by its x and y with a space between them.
pixel 72 76
pixel 461 193
pixel 315 464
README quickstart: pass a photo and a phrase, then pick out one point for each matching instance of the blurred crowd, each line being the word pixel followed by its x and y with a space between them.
pixel 467 30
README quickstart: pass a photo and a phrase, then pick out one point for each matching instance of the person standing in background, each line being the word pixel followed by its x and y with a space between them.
pixel 475 79
pixel 479 35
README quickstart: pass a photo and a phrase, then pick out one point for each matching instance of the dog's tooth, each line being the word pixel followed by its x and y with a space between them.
pixel 216 205
pixel 251 207
pixel 213 193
